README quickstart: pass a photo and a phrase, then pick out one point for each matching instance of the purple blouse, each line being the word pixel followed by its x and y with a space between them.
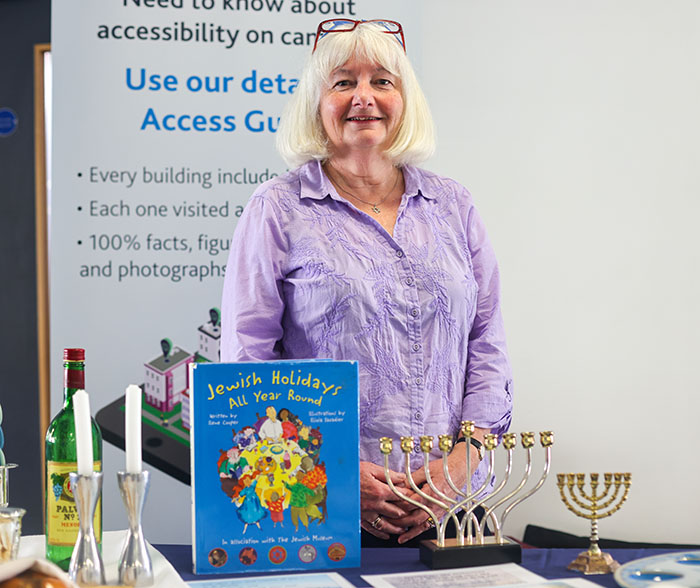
pixel 311 276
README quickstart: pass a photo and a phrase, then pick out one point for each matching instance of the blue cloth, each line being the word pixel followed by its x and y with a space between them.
pixel 549 563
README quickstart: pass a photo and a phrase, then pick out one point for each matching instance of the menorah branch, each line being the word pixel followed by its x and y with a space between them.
pixel 546 440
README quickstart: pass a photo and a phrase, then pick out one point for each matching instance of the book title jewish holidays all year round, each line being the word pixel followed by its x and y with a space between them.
pixel 275 466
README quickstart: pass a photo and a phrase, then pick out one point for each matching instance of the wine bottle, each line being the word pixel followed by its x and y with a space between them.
pixel 61 460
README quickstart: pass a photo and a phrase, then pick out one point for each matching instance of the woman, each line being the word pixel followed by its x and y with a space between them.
pixel 357 254
pixel 250 511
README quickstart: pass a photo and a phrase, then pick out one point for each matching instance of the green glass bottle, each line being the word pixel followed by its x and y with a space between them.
pixel 61 459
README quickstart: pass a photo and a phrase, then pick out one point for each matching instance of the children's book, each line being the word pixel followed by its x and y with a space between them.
pixel 275 466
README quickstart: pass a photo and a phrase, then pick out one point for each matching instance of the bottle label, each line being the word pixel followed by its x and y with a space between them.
pixel 61 512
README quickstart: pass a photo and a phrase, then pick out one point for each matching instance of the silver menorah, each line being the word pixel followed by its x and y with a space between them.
pixel 471 546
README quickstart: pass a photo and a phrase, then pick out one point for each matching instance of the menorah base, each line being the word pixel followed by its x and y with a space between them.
pixel 453 555
pixel 591 563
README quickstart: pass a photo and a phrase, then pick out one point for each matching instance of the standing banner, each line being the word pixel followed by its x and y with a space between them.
pixel 164 114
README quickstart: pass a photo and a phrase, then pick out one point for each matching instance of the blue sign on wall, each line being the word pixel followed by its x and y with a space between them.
pixel 8 122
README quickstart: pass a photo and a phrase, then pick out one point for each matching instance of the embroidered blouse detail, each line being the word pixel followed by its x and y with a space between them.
pixel 309 275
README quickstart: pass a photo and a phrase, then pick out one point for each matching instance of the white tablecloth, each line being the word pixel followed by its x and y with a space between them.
pixel 33 546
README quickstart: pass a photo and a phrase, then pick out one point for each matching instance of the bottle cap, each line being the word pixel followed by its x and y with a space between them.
pixel 74 354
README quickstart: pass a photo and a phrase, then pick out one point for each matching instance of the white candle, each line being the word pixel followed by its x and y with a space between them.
pixel 83 432
pixel 133 429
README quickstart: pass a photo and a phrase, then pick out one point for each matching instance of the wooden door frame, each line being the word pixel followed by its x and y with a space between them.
pixel 42 261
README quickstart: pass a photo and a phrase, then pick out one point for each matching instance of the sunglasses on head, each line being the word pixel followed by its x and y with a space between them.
pixel 343 25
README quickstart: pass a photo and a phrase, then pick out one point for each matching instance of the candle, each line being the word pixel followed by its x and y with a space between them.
pixel 133 429
pixel 2 440
pixel 83 432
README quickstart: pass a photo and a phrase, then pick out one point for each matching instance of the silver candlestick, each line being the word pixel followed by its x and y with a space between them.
pixel 86 566
pixel 135 567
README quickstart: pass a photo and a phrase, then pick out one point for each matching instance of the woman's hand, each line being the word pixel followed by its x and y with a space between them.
pixel 378 504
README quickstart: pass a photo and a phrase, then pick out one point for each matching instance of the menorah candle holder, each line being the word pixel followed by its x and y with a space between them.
pixel 135 568
pixel 86 566
pixel 471 547
pixel 594 507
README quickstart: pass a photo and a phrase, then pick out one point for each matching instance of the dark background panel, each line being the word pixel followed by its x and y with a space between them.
pixel 23 24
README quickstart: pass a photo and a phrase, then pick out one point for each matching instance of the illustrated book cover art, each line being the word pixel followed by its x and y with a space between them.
pixel 275 466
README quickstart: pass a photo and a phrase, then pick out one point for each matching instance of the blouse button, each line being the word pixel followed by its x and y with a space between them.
pixel 414 312
pixel 409 281
pixel 399 253
pixel 416 346
pixel 419 381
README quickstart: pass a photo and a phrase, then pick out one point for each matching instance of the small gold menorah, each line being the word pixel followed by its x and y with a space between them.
pixel 470 547
pixel 594 507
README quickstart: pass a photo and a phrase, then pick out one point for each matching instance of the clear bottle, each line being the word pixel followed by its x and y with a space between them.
pixel 61 459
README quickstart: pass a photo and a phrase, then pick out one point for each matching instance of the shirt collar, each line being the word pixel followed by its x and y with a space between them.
pixel 313 181
pixel 315 185
pixel 414 179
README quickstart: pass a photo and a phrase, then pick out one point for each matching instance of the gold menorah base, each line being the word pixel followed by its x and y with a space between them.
pixel 594 561
pixel 453 555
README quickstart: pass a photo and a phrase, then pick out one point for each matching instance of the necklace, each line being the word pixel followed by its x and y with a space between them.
pixel 375 206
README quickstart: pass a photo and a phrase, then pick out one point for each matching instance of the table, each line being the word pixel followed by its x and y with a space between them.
pixel 549 563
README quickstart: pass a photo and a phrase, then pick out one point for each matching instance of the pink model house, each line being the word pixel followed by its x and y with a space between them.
pixel 209 337
pixel 185 410
pixel 167 377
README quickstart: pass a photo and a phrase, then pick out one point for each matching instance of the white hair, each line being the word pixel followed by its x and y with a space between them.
pixel 301 136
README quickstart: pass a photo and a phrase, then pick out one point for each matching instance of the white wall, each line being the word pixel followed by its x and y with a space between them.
pixel 575 125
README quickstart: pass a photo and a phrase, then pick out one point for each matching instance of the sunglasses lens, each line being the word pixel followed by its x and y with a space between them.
pixel 390 26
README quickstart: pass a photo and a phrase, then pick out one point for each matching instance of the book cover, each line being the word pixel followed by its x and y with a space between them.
pixel 275 466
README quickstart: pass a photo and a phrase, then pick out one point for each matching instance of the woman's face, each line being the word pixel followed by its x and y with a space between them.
pixel 361 107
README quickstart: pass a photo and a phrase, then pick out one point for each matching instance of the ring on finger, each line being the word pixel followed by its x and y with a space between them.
pixel 376 522
pixel 430 521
